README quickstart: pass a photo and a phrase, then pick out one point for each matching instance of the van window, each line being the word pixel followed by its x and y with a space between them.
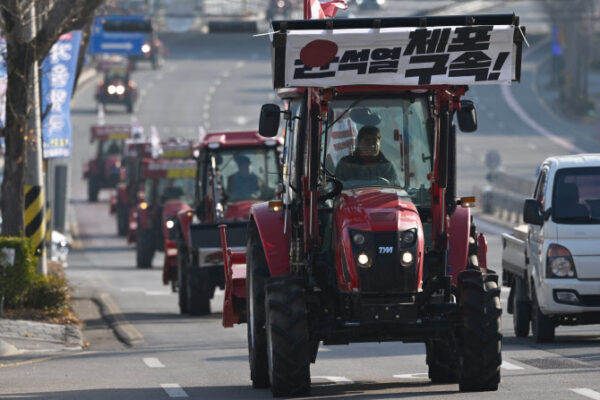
pixel 576 196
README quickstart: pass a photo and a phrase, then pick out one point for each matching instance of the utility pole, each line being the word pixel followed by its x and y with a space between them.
pixel 35 214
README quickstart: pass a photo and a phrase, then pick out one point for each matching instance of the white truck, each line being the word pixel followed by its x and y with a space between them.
pixel 552 263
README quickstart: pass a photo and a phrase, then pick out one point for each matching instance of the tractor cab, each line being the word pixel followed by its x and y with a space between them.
pixel 105 171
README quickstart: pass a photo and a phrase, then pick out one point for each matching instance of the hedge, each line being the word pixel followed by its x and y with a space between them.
pixel 17 279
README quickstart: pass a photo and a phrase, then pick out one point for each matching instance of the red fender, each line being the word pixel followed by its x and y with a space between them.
pixel 458 241
pixel 133 225
pixel 274 240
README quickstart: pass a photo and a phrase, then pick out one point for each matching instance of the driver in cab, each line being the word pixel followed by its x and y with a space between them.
pixel 367 163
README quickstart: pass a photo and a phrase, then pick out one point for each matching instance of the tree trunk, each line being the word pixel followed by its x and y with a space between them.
pixel 17 135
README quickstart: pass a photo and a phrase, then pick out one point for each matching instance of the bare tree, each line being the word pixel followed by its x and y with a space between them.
pixel 52 18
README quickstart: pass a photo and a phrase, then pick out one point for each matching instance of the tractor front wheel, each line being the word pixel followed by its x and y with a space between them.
pixel 521 309
pixel 182 278
pixel 93 189
pixel 122 220
pixel 144 246
pixel 255 310
pixel 198 289
pixel 288 342
pixel 480 331
pixel 443 361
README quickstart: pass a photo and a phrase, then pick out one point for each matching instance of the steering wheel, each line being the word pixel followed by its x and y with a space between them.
pixel 328 192
pixel 384 180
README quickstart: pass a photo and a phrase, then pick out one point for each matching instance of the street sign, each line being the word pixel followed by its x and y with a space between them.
pixel 119 34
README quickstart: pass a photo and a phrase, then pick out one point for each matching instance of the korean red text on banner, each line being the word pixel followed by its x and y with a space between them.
pixel 456 55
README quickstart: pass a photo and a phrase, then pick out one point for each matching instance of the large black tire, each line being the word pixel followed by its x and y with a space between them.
pixel 93 189
pixel 255 310
pixel 199 290
pixel 144 246
pixel 443 361
pixel 122 220
pixel 542 326
pixel 521 308
pixel 129 106
pixel 182 265
pixel 480 331
pixel 288 344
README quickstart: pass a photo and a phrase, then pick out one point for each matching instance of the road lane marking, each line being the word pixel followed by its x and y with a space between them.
pixel 173 390
pixel 158 293
pixel 336 380
pixel 589 393
pixel 419 375
pixel 509 366
pixel 153 362
pixel 505 289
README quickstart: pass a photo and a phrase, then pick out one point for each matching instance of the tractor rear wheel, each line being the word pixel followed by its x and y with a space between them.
pixel 288 342
pixel 255 310
pixel 521 309
pixel 480 331
pixel 93 189
pixel 198 289
pixel 542 326
pixel 182 278
pixel 443 361
pixel 144 246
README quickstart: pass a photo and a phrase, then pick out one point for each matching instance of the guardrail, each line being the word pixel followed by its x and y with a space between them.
pixel 504 195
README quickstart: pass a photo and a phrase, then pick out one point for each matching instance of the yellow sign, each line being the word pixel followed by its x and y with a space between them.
pixel 181 173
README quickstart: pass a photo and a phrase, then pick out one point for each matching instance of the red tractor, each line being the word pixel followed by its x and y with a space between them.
pixel 368 242
pixel 168 187
pixel 105 171
pixel 125 201
pixel 235 171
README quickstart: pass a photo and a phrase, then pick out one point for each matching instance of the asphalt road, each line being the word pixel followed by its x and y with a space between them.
pixel 218 82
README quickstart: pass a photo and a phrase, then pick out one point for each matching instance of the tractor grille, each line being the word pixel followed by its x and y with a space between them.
pixel 385 275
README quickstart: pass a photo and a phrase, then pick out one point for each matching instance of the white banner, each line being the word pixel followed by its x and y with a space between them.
pixel 454 55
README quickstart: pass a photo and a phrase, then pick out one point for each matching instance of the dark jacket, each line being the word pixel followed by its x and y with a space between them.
pixel 353 168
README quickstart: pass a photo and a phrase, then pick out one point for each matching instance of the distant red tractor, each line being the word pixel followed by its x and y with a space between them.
pixel 125 201
pixel 105 170
pixel 235 171
pixel 168 188
pixel 368 241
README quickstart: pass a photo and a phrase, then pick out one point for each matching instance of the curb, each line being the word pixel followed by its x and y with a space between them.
pixel 122 328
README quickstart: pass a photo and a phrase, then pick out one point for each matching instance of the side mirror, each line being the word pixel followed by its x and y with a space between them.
pixel 467 116
pixel 268 124
pixel 532 212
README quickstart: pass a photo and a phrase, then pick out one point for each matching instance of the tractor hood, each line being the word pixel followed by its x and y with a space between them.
pixel 239 210
pixel 375 209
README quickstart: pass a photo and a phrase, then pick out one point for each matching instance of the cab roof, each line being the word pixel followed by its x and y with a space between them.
pixel 237 139
pixel 573 161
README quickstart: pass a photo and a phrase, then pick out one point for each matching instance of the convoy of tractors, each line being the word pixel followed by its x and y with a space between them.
pixel 338 220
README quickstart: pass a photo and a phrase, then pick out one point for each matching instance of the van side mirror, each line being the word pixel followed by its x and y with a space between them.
pixel 268 125
pixel 532 212
pixel 467 116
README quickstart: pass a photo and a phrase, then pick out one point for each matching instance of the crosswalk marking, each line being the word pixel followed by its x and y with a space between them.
pixel 509 366
pixel 173 390
pixel 336 380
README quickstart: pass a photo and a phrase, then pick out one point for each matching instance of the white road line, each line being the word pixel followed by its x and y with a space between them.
pixel 336 380
pixel 206 116
pixel 206 106
pixel 419 375
pixel 212 89
pixel 509 366
pixel 153 362
pixel 158 293
pixel 240 64
pixel 589 393
pixel 217 82
pixel 515 106
pixel 173 390
pixel 505 289
pixel 226 74
pixel 132 289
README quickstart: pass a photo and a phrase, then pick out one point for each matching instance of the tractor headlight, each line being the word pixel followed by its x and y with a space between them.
pixel 170 224
pixel 407 259
pixel 120 89
pixel 559 263
pixel 112 89
pixel 146 48
pixel 363 260
pixel 407 238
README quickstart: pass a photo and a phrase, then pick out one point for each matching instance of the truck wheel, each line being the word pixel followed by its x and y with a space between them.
pixel 182 279
pixel 288 343
pixel 129 106
pixel 521 309
pixel 480 331
pixel 93 190
pixel 122 220
pixel 144 246
pixel 443 361
pixel 255 310
pixel 542 326
pixel 198 290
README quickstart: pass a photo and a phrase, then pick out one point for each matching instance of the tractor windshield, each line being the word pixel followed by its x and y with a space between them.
pixel 381 142
pixel 162 190
pixel 248 173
